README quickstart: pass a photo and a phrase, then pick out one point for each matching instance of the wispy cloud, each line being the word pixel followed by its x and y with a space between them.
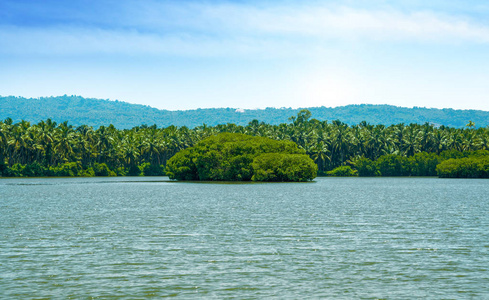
pixel 196 29
pixel 81 41
pixel 323 21
pixel 362 24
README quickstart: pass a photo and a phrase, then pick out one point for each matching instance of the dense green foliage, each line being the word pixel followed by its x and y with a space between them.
pixel 454 164
pixel 420 164
pixel 466 167
pixel 69 169
pixel 283 167
pixel 96 112
pixel 372 150
pixel 239 157
pixel 343 171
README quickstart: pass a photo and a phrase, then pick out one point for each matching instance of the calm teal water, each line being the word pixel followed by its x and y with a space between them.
pixel 392 238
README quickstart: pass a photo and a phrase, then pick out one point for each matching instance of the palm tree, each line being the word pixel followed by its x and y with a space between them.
pixel 411 141
pixel 20 143
pixel 153 147
pixel 320 155
pixel 104 140
pixel 341 143
pixel 44 140
pixel 65 140
pixel 85 144
pixel 426 141
pixel 4 137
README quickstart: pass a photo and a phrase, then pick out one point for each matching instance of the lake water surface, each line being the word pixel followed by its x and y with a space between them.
pixel 367 238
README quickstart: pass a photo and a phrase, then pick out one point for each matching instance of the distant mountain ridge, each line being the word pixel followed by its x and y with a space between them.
pixel 96 112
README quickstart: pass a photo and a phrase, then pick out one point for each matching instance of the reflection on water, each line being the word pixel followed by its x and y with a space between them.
pixel 392 238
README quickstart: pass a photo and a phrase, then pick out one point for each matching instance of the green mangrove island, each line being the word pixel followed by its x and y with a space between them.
pixel 240 157
pixel 294 151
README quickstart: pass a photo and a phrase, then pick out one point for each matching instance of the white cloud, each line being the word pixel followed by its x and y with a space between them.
pixel 239 29
pixel 318 20
pixel 80 41
pixel 323 22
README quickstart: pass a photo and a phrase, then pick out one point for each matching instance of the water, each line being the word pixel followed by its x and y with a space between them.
pixel 134 238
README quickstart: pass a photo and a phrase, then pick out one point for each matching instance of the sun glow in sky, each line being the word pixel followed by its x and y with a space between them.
pixel 249 54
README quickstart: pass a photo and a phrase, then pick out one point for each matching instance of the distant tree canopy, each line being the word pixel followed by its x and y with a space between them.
pixel 240 157
pixel 96 112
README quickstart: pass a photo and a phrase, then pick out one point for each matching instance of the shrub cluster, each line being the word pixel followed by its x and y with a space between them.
pixel 420 164
pixel 75 169
pixel 239 157
pixel 454 164
pixel 343 171
pixel 283 167
pixel 466 167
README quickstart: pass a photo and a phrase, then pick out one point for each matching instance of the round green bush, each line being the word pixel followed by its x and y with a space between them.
pixel 236 157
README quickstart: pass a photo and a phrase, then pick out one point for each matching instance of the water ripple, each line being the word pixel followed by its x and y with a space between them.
pixel 342 238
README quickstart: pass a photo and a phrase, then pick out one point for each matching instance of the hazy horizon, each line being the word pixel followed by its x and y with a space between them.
pixel 244 109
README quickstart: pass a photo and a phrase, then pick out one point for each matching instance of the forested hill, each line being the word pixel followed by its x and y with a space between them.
pixel 95 112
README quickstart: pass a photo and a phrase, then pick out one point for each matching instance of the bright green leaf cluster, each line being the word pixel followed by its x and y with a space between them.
pixel 240 157
pixel 283 167
pixel 453 164
pixel 466 167
pixel 343 171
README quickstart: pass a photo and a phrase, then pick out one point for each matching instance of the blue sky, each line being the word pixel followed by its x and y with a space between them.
pixel 249 54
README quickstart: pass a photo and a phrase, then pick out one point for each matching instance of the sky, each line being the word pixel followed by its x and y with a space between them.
pixel 249 54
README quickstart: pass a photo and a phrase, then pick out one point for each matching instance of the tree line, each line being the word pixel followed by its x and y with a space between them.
pixel 49 148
